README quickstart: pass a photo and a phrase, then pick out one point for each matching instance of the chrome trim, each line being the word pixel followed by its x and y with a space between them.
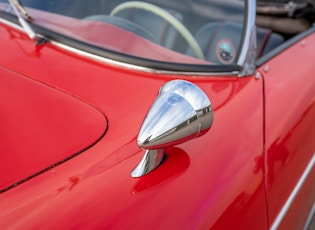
pixel 310 222
pixel 294 193
pixel 151 160
pixel 139 68
pixel 247 57
pixel 39 40
pixel 18 9
pixel 14 25
pixel 181 112
pixel 249 67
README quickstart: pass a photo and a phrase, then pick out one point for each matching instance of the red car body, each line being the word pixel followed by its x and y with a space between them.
pixel 69 125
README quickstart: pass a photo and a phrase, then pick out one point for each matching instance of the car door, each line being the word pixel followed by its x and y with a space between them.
pixel 290 131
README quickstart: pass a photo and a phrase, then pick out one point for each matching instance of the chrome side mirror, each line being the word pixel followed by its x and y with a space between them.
pixel 181 112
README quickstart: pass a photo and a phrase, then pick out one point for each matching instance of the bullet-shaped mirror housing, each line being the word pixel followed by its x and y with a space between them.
pixel 181 111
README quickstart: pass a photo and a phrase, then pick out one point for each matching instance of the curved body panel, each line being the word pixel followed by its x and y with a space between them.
pixel 40 127
pixel 290 131
pixel 69 75
pixel 209 175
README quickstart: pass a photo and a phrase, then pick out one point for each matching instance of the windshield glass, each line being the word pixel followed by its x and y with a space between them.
pixel 189 31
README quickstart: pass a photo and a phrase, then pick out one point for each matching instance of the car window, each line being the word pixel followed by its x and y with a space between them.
pixel 191 31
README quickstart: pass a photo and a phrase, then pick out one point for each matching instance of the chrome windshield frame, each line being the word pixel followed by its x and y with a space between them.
pixel 247 57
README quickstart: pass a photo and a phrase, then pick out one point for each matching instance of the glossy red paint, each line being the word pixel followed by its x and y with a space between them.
pixel 33 138
pixel 215 181
pixel 290 130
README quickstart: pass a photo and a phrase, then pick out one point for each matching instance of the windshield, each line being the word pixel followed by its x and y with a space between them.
pixel 189 31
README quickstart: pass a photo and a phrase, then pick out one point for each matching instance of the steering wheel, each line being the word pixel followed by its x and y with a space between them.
pixel 167 17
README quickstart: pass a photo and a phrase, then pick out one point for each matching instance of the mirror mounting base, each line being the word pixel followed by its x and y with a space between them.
pixel 150 161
